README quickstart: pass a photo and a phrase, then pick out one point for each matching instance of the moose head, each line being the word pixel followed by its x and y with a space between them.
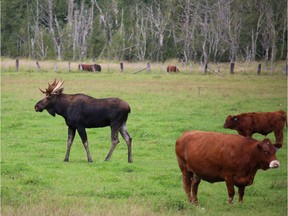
pixel 52 92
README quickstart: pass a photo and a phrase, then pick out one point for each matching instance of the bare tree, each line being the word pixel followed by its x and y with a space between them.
pixel 231 19
pixel 158 21
pixel 38 44
pixel 52 22
pixel 140 35
pixel 187 26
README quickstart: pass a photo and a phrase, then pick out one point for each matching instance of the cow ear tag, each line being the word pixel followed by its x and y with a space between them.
pixel 235 118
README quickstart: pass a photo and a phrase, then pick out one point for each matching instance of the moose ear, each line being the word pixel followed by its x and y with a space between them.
pixel 60 91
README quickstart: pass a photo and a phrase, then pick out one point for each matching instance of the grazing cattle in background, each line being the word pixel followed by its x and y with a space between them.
pixel 246 124
pixel 89 67
pixel 172 68
pixel 216 157
pixel 81 111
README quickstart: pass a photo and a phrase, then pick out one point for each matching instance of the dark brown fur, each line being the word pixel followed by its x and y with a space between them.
pixel 82 111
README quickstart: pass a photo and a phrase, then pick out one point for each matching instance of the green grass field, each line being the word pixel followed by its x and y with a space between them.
pixel 36 181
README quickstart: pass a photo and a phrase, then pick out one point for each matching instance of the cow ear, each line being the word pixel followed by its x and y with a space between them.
pixel 278 145
pixel 235 118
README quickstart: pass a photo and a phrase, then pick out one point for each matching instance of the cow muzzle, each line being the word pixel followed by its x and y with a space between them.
pixel 274 164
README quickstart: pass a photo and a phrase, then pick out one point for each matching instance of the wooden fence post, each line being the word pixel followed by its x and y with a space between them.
pixel 17 64
pixel 121 67
pixel 232 65
pixel 205 68
pixel 69 67
pixel 259 70
pixel 38 65
pixel 55 67
pixel 148 67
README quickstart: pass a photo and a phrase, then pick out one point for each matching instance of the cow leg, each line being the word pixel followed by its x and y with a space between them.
pixel 71 135
pixel 279 136
pixel 195 183
pixel 114 140
pixel 186 179
pixel 128 139
pixel 83 135
pixel 230 188
pixel 241 191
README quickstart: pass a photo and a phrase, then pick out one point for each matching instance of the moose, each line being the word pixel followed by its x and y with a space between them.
pixel 81 111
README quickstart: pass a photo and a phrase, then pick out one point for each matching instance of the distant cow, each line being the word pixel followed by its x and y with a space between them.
pixel 172 68
pixel 216 157
pixel 89 67
pixel 246 124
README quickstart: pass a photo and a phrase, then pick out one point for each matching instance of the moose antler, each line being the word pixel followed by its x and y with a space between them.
pixel 52 88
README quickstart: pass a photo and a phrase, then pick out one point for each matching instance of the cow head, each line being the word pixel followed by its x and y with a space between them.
pixel 231 122
pixel 54 89
pixel 267 155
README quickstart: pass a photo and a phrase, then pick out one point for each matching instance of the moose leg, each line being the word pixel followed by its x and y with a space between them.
pixel 71 135
pixel 115 141
pixel 128 139
pixel 83 135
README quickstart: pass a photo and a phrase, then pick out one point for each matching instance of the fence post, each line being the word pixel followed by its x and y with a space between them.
pixel 69 67
pixel 205 68
pixel 17 64
pixel 55 67
pixel 121 67
pixel 259 70
pixel 232 65
pixel 38 66
pixel 148 67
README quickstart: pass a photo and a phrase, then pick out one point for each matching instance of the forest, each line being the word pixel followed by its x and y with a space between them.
pixel 145 30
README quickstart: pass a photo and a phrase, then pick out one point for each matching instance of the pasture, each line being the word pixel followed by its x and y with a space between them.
pixel 36 181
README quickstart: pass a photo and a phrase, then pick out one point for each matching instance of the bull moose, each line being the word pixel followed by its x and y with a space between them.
pixel 216 157
pixel 81 111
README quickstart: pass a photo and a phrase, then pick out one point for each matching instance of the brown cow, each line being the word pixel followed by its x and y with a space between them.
pixel 88 67
pixel 172 68
pixel 246 124
pixel 216 157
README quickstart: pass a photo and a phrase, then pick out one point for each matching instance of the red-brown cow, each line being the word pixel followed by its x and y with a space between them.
pixel 88 67
pixel 172 68
pixel 216 157
pixel 246 124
